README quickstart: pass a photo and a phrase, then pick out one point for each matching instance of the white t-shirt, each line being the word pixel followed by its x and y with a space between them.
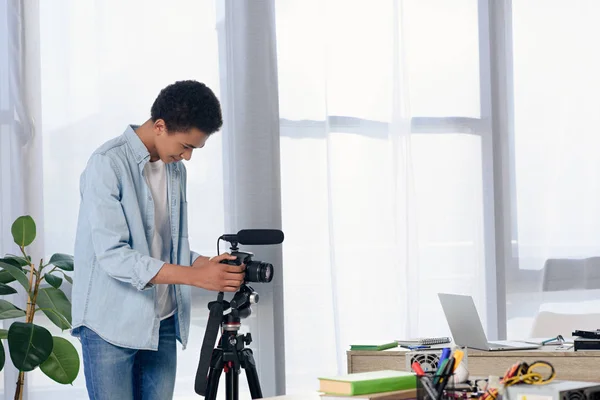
pixel 156 176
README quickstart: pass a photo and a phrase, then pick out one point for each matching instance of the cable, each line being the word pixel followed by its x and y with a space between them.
pixel 530 374
pixel 523 373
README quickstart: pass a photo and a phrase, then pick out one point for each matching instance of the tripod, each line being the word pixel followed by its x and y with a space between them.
pixel 231 354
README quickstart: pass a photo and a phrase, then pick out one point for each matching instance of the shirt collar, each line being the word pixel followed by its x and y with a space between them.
pixel 137 146
pixel 139 149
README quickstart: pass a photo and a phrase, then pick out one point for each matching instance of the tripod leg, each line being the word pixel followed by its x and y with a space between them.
pixel 249 364
pixel 214 374
pixel 232 384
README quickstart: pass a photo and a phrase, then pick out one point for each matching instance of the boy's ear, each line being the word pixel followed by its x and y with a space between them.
pixel 160 127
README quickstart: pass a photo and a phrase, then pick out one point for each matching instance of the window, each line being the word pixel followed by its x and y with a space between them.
pixel 384 176
pixel 555 190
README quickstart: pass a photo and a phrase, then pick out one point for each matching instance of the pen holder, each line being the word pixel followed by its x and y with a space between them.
pixel 434 387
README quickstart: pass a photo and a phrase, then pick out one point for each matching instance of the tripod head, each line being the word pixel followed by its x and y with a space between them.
pixel 256 271
pixel 238 307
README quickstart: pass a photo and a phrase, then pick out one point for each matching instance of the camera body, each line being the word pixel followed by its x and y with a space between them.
pixel 256 271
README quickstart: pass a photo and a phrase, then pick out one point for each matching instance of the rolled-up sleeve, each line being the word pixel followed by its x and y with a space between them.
pixel 194 256
pixel 109 230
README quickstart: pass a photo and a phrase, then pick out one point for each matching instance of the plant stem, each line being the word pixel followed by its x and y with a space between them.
pixel 30 313
pixel 36 289
pixel 20 386
pixel 30 300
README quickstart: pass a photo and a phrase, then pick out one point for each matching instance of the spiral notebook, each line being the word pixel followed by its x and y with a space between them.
pixel 424 341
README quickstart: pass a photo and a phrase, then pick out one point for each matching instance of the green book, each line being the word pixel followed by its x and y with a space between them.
pixel 368 382
pixel 373 347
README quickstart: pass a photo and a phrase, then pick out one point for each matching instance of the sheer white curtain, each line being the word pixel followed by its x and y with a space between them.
pixel 102 65
pixel 555 146
pixel 20 164
pixel 14 135
pixel 251 176
pixel 383 174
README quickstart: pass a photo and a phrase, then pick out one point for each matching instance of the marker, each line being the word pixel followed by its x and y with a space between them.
pixel 458 356
pixel 445 375
pixel 445 354
pixel 440 371
pixel 417 368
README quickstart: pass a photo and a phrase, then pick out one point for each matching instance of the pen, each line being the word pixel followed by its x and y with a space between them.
pixel 426 382
pixel 417 347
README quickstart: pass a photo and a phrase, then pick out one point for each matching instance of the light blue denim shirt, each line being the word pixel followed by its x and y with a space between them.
pixel 111 290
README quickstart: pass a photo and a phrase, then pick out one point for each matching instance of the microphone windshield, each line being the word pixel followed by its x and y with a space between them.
pixel 260 236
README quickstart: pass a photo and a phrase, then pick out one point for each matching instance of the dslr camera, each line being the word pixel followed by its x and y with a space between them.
pixel 256 271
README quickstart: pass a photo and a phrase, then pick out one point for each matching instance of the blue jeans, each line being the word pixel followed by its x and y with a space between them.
pixel 118 373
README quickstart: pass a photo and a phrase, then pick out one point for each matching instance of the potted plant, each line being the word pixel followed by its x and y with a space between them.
pixel 31 346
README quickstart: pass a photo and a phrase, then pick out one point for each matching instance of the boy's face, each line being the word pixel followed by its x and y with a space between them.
pixel 177 146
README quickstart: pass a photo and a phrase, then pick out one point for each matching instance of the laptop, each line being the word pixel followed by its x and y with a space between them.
pixel 466 326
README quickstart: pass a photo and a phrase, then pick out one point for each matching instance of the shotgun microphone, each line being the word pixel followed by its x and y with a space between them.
pixel 255 237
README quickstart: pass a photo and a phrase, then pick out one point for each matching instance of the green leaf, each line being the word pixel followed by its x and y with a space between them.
pixel 62 261
pixel 67 277
pixel 2 356
pixel 63 364
pixel 16 273
pixel 29 345
pixel 5 289
pixel 23 231
pixel 8 311
pixel 3 334
pixel 53 280
pixel 56 300
pixel 6 277
pixel 16 261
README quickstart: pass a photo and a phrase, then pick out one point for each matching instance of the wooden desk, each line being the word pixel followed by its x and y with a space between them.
pixel 569 364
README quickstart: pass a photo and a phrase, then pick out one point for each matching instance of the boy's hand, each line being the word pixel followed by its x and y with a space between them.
pixel 210 274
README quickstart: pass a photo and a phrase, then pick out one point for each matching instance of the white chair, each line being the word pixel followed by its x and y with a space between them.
pixel 549 324
pixel 571 274
pixel 568 285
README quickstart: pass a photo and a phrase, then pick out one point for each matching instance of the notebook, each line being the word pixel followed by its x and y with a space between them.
pixel 394 395
pixel 424 341
pixel 373 347
pixel 368 382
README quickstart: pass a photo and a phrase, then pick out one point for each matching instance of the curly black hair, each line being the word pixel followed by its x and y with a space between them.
pixel 189 104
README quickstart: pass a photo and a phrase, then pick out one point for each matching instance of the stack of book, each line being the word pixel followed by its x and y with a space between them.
pixel 380 385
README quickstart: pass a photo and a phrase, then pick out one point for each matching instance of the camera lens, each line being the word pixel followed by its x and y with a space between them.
pixel 257 271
